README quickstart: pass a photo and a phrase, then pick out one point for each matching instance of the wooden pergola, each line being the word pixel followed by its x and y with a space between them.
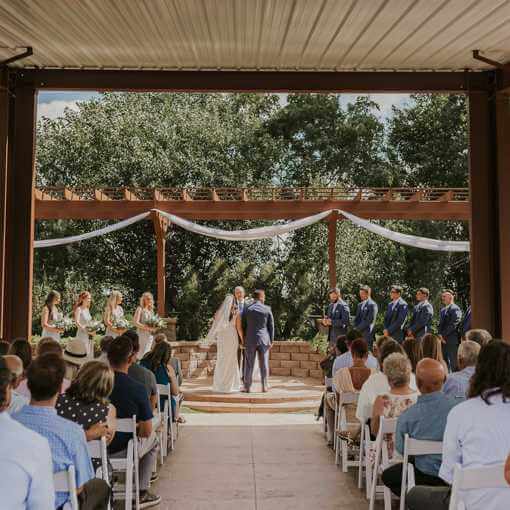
pixel 260 46
pixel 52 203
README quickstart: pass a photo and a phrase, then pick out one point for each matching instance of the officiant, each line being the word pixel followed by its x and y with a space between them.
pixel 337 316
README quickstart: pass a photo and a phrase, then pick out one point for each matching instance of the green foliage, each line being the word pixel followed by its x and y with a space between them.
pixel 194 140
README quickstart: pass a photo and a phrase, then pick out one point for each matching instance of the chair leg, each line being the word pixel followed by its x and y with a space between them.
pixel 387 498
pixel 343 445
pixel 128 503
pixel 337 454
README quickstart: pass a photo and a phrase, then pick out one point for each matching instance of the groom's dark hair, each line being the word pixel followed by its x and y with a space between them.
pixel 257 294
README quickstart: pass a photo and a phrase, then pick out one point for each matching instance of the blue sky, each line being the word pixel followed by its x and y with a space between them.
pixel 53 104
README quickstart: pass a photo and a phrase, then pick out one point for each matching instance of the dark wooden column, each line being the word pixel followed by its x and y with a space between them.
pixel 160 229
pixel 332 249
pixel 4 129
pixel 503 183
pixel 20 215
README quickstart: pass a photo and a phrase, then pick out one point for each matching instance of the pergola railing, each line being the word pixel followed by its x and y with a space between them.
pixel 265 203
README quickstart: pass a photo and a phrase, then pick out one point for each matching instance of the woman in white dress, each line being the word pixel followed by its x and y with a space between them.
pixel 226 331
pixel 142 315
pixel 82 318
pixel 51 314
pixel 113 311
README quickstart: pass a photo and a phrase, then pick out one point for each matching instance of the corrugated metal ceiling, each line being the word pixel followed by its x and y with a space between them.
pixel 256 34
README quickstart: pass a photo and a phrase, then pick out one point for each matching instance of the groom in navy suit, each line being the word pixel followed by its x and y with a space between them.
pixel 366 314
pixel 337 317
pixel 396 315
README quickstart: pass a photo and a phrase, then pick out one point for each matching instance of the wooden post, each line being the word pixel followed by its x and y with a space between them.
pixel 20 216
pixel 160 229
pixel 332 249
pixel 4 129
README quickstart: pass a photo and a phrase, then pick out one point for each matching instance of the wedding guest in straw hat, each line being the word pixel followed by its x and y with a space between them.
pixel 75 355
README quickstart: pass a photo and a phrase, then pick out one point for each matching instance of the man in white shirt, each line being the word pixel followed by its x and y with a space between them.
pixel 476 435
pixel 377 383
pixel 26 482
pixel 15 365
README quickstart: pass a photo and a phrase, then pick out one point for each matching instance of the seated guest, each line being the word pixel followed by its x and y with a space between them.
pixel 23 349
pixel 66 439
pixel 412 347
pixel 86 401
pixel 476 434
pixel 426 420
pixel 75 355
pixel 40 348
pixel 140 373
pixel 4 347
pixel 103 346
pixel 457 384
pixel 345 360
pixel 377 383
pixel 14 364
pixel 158 362
pixel 392 403
pixel 507 469
pixel 348 380
pixel 26 480
pixel 130 398
pixel 174 362
pixel 480 336
pixel 431 347
pixel 378 345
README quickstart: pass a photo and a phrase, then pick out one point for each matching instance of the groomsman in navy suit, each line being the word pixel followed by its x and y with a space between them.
pixel 466 322
pixel 449 321
pixel 423 312
pixel 366 314
pixel 337 317
pixel 396 315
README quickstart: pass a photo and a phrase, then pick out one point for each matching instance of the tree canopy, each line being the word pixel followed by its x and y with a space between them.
pixel 193 140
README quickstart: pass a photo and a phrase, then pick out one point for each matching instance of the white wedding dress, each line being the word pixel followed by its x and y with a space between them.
pixel 227 378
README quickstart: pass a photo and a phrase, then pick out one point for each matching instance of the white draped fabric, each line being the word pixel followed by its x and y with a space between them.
pixel 268 232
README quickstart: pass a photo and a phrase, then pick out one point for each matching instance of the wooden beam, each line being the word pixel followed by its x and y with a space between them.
pixel 160 228
pixel 4 152
pixel 446 197
pixel 20 217
pixel 416 197
pixel 69 195
pixel 484 285
pixel 254 81
pixel 100 196
pixel 253 209
pixel 332 249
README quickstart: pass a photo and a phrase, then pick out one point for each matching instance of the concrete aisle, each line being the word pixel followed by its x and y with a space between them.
pixel 255 462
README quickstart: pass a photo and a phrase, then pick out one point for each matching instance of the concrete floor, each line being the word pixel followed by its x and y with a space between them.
pixel 255 462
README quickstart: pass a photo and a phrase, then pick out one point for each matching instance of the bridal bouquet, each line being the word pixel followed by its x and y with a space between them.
pixel 120 323
pixel 94 326
pixel 64 324
pixel 155 321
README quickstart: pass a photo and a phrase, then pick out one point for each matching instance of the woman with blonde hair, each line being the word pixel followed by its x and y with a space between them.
pixel 50 315
pixel 82 317
pixel 142 316
pixel 86 401
pixel 112 312
pixel 432 348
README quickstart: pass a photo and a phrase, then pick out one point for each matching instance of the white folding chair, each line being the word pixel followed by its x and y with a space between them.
pixel 129 464
pixel 362 460
pixel 382 461
pixel 327 384
pixel 97 450
pixel 169 428
pixel 161 423
pixel 491 477
pixel 414 448
pixel 65 481
pixel 342 448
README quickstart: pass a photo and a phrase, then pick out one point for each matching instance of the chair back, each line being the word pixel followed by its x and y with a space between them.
pixel 65 481
pixel 485 477
pixel 166 391
pixel 414 448
pixel 97 450
pixel 346 397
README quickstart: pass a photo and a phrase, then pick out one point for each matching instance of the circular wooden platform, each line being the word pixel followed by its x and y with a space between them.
pixel 286 395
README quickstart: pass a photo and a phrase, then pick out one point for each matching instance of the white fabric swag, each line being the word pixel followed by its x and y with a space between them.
pixel 253 234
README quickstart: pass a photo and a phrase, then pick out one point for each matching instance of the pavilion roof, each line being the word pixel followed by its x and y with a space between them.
pixel 298 35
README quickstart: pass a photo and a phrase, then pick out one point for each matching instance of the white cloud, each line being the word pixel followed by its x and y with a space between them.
pixel 385 101
pixel 55 109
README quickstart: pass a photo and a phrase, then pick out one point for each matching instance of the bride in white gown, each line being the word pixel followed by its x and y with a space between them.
pixel 226 331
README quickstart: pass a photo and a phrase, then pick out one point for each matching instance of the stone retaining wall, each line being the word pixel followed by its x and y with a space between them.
pixel 296 359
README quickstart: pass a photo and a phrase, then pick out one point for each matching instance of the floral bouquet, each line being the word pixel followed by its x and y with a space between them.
pixel 155 321
pixel 94 326
pixel 64 324
pixel 120 323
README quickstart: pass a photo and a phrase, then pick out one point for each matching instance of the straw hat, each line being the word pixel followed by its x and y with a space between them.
pixel 76 352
